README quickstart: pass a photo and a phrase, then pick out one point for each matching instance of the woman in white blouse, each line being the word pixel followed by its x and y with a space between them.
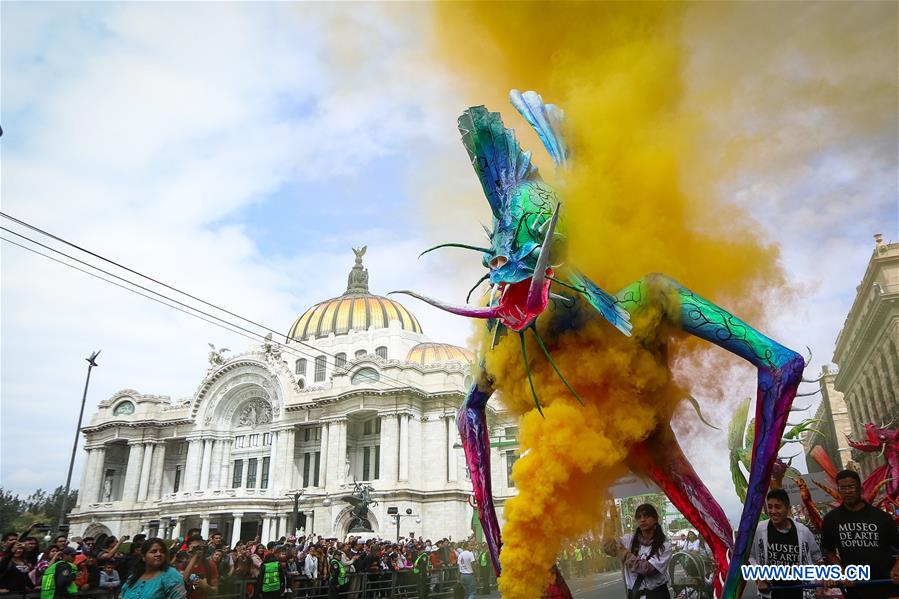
pixel 645 555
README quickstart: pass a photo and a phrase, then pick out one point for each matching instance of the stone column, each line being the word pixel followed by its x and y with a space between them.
pixel 404 448
pixel 146 462
pixel 215 467
pixel 224 480
pixel 265 528
pixel 245 471
pixel 205 465
pixel 272 461
pixel 452 468
pixel 192 464
pixel 156 472
pixel 133 472
pixel 176 531
pixel 286 469
pixel 323 478
pixel 891 380
pixel 341 429
pixel 282 527
pixel 884 383
pixel 204 526
pixel 390 431
pixel 89 464
pixel 95 485
pixel 235 528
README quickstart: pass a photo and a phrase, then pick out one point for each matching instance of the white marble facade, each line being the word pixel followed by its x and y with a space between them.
pixel 260 427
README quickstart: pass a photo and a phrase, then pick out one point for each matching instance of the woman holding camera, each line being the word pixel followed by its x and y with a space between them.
pixel 645 555
pixel 153 577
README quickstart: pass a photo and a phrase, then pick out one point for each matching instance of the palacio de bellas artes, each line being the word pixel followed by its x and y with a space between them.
pixel 358 396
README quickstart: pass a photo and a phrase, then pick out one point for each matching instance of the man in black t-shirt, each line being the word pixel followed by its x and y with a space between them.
pixel 856 533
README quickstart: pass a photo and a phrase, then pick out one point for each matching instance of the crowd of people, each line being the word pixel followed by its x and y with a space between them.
pixel 855 533
pixel 198 568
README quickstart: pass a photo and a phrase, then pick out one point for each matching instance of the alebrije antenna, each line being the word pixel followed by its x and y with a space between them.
pixel 527 369
pixel 553 364
pixel 456 245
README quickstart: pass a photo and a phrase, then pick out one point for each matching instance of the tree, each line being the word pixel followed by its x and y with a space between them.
pixel 18 514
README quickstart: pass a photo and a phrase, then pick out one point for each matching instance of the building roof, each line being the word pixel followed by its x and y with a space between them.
pixel 435 353
pixel 357 310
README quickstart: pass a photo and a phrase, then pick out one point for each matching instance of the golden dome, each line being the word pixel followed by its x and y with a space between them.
pixel 356 310
pixel 435 353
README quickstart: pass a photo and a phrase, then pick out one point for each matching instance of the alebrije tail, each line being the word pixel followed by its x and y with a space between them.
pixel 603 302
pixel 495 155
pixel 546 119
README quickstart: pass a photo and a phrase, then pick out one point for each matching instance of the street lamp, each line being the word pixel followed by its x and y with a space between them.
pixel 395 513
pixel 296 509
pixel 91 362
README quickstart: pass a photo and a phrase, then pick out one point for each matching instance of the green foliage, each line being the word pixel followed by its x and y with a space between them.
pixel 17 514
pixel 679 524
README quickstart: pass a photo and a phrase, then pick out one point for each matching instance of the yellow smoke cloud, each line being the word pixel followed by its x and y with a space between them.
pixel 664 102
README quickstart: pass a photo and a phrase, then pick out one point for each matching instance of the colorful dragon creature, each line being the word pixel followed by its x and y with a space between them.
pixel 885 441
pixel 526 268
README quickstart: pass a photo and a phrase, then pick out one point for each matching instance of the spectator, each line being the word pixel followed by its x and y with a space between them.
pixel 32 552
pixel 152 577
pixel 88 573
pixel 59 577
pixel 14 571
pixel 857 533
pixel 336 574
pixel 781 541
pixel 112 544
pixel 37 573
pixel 466 572
pixel 215 542
pixel 109 578
pixel 9 541
pixel 645 555
pixel 272 577
pixel 200 574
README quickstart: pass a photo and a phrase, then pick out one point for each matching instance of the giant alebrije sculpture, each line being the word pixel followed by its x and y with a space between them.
pixel 532 279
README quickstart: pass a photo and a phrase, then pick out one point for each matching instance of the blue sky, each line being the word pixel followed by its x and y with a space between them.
pixel 238 151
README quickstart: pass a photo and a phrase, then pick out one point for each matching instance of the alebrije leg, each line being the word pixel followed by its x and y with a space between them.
pixel 553 364
pixel 527 369
pixel 471 421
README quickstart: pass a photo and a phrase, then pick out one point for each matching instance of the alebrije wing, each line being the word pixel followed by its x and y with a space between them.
pixel 603 302
pixel 497 158
pixel 546 119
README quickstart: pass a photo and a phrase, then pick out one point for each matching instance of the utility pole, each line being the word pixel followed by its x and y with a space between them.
pixel 91 362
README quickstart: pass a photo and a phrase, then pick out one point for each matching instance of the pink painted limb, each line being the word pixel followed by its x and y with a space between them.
pixel 661 458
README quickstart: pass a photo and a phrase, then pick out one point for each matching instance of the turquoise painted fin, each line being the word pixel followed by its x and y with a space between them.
pixel 546 119
pixel 604 303
pixel 495 155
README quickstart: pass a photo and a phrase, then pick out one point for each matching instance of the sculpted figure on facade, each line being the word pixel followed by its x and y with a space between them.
pixel 255 413
pixel 216 356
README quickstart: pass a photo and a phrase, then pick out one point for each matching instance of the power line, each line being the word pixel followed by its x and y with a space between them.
pixel 292 350
pixel 499 422
pixel 295 351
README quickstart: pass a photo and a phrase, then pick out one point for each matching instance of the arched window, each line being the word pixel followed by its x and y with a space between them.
pixel 360 353
pixel 340 360
pixel 365 375
pixel 321 363
pixel 301 366
pixel 381 352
